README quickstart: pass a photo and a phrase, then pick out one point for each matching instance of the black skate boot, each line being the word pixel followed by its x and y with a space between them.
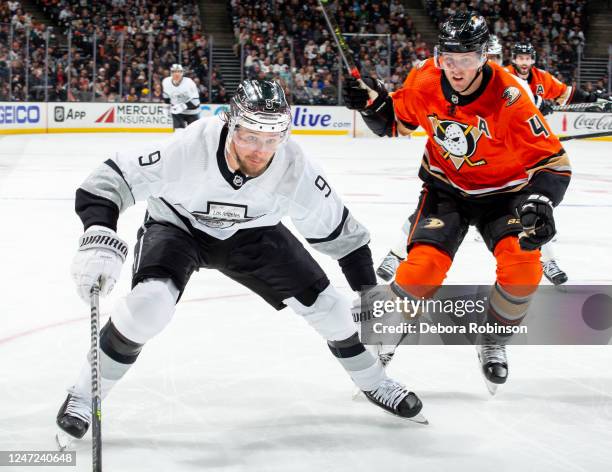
pixel 494 363
pixel 73 419
pixel 552 272
pixel 393 397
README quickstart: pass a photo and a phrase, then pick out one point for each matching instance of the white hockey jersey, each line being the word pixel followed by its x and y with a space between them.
pixel 188 183
pixel 185 92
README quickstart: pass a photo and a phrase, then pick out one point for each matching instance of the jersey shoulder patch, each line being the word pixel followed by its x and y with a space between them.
pixel 511 95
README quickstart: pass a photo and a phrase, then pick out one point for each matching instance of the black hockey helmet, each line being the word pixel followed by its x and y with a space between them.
pixel 260 105
pixel 463 32
pixel 523 48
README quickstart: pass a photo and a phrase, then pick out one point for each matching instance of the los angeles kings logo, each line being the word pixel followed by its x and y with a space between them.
pixel 222 215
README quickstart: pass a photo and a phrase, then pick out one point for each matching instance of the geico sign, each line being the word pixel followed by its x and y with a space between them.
pixel 19 114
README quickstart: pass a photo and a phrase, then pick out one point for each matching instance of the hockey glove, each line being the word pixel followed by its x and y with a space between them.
pixel 536 216
pixel 381 304
pixel 100 256
pixel 178 108
pixel 546 107
pixel 363 94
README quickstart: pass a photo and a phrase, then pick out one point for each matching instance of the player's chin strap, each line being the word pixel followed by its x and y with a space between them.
pixel 473 80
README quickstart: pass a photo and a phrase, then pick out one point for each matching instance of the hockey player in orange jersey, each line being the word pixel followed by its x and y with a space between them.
pixel 490 160
pixel 544 84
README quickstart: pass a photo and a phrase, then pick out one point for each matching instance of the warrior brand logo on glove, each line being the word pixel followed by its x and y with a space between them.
pixel 98 260
pixel 100 239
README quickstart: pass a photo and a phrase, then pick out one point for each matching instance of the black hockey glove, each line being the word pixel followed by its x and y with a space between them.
pixel 536 215
pixel 546 107
pixel 602 95
pixel 362 99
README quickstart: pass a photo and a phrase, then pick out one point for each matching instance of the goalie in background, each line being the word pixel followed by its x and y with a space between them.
pixel 181 93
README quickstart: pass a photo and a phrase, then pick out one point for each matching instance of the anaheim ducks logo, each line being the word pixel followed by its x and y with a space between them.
pixel 511 95
pixel 433 223
pixel 457 140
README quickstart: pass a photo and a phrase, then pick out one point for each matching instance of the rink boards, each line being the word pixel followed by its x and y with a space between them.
pixel 82 117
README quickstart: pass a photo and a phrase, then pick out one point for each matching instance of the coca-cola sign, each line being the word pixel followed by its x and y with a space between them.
pixel 593 121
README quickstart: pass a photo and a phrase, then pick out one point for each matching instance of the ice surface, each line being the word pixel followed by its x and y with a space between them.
pixel 233 385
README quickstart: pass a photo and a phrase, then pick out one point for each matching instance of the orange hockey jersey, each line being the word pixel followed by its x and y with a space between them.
pixel 492 141
pixel 545 85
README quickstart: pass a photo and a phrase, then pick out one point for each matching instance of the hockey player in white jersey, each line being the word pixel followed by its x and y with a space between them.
pixel 181 93
pixel 216 194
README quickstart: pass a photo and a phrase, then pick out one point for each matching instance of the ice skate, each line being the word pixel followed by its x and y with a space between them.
pixel 394 398
pixel 388 266
pixel 552 272
pixel 493 362
pixel 73 419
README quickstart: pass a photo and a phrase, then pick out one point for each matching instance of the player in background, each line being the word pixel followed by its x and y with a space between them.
pixel 495 52
pixel 216 195
pixel 181 93
pixel 544 84
pixel 490 161
pixel 387 268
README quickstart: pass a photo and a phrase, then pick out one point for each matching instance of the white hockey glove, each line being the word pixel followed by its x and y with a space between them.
pixel 100 256
pixel 178 108
pixel 379 305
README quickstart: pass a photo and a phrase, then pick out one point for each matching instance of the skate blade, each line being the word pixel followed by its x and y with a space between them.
pixel 419 418
pixel 63 440
pixel 491 387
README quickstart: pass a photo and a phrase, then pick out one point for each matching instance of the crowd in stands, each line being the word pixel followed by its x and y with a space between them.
pixel 287 40
pixel 555 27
pixel 282 36
pixel 170 31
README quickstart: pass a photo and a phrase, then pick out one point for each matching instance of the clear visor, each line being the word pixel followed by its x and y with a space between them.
pixel 250 140
pixel 459 60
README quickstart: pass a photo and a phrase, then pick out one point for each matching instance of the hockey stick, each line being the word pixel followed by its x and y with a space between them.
pixel 96 401
pixel 345 52
pixel 586 136
pixel 594 107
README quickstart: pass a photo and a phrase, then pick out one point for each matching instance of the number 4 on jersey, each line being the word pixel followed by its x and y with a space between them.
pixel 537 127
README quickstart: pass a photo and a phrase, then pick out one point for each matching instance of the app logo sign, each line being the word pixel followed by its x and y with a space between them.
pixel 60 114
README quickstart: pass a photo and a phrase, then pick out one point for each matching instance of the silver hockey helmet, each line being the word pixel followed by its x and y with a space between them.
pixel 260 105
pixel 494 47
